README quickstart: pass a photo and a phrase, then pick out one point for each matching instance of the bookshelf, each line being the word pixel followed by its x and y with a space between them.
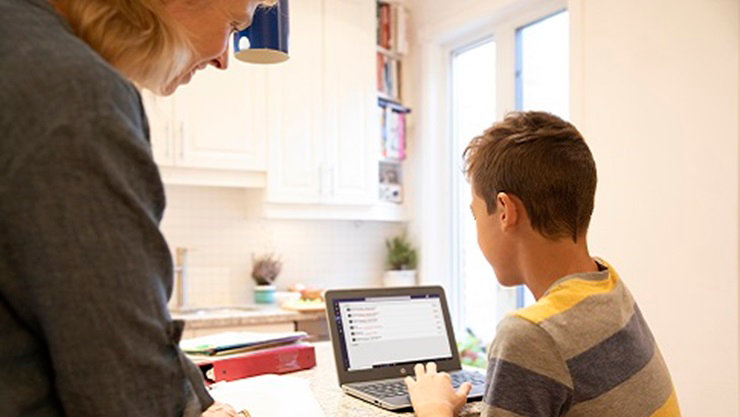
pixel 391 48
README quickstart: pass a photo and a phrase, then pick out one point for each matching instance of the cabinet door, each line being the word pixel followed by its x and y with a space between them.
pixel 221 118
pixel 295 144
pixel 159 111
pixel 351 123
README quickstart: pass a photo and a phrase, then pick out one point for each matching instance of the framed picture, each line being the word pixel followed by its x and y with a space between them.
pixel 389 178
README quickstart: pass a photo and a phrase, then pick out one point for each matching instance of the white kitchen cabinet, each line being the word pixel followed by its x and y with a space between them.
pixel 296 141
pixel 306 128
pixel 212 131
pixel 221 119
pixel 323 132
pixel 350 101
pixel 159 111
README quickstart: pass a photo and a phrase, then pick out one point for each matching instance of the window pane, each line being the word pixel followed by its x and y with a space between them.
pixel 542 66
pixel 482 302
pixel 542 81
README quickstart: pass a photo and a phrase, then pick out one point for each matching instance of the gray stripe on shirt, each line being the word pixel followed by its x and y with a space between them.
pixel 524 392
pixel 630 395
pixel 612 361
pixel 541 355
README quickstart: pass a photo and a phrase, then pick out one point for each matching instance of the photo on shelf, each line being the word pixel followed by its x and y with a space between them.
pixel 390 180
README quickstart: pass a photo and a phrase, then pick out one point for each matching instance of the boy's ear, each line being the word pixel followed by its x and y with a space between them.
pixel 509 215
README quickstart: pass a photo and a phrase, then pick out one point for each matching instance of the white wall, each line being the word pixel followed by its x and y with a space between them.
pixel 657 99
pixel 224 226
pixel 656 91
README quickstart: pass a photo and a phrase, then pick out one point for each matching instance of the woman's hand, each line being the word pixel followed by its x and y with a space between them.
pixel 432 394
pixel 219 410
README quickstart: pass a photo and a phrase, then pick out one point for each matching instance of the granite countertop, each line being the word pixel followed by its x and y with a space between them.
pixel 335 403
pixel 244 316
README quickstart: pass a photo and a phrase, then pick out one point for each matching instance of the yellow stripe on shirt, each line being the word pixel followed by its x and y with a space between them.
pixel 669 407
pixel 567 294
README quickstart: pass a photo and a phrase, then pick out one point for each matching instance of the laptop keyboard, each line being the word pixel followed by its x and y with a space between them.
pixel 388 389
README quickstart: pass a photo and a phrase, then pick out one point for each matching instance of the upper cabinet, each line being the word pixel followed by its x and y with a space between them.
pixel 323 134
pixel 295 132
pixel 306 129
pixel 212 131
pixel 159 112
pixel 350 105
pixel 221 117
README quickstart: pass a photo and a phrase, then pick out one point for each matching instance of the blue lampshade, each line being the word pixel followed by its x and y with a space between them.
pixel 266 40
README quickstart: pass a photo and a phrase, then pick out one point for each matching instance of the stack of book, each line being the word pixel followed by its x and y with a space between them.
pixel 235 355
pixel 391 27
pixel 389 76
pixel 393 133
pixel 392 45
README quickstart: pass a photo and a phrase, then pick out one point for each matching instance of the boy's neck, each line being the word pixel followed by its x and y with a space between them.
pixel 545 261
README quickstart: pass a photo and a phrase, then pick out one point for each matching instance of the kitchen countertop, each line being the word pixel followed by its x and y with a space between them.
pixel 253 316
pixel 323 381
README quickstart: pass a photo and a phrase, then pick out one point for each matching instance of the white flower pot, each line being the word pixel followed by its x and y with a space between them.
pixel 405 278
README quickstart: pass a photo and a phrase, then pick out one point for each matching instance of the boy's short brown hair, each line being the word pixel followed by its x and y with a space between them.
pixel 544 161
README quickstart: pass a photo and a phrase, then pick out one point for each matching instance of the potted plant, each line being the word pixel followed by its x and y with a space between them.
pixel 265 270
pixel 402 261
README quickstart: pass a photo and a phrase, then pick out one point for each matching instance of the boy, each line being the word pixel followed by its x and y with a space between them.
pixel 583 349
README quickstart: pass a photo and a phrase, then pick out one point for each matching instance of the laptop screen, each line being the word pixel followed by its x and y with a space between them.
pixel 376 332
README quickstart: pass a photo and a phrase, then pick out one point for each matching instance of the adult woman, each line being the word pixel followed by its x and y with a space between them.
pixel 85 273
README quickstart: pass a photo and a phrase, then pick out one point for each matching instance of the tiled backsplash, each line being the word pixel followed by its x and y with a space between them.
pixel 222 227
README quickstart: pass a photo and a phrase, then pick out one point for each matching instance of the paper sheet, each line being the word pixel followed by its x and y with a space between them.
pixel 269 396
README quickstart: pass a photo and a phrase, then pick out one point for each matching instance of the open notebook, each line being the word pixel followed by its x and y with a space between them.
pixel 269 396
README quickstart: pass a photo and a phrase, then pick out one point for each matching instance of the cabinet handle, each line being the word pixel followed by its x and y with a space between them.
pixel 321 180
pixel 332 183
pixel 168 137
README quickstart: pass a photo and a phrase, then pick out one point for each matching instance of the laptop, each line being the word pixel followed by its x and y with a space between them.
pixel 379 334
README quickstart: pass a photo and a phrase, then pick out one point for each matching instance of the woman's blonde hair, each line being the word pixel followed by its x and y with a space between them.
pixel 137 37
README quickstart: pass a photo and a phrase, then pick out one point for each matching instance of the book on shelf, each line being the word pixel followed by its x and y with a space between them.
pixel 380 72
pixel 391 26
pixel 385 25
pixel 401 43
pixel 389 76
pixel 393 133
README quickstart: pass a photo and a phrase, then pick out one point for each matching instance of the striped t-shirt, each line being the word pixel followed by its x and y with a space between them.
pixel 583 349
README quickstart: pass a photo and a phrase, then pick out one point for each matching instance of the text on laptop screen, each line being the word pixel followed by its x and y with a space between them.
pixel 388 331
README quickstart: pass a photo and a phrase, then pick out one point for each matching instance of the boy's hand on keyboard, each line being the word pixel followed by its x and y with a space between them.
pixel 432 394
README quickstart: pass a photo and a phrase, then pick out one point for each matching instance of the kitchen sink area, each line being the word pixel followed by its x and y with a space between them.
pixel 202 321
pixel 213 311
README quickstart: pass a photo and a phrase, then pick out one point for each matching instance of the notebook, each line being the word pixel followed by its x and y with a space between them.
pixel 379 334
pixel 234 342
pixel 269 396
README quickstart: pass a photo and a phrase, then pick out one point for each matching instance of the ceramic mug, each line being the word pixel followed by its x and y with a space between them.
pixel 265 41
